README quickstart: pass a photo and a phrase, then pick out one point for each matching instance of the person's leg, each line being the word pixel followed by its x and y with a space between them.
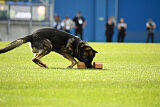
pixel 147 37
pixel 152 37
pixel 111 35
pixel 76 32
pixel 68 31
pixel 123 36
pixel 108 38
pixel 81 33
pixel 119 37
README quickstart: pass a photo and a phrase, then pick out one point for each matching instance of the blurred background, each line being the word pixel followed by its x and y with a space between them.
pixel 19 18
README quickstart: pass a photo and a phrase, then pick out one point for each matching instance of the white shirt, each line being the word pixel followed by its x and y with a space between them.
pixel 68 24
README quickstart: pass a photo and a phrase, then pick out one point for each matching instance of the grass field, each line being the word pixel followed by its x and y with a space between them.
pixel 130 78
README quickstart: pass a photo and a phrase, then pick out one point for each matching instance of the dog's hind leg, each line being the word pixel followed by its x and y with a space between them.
pixel 37 58
pixel 69 57
pixel 45 49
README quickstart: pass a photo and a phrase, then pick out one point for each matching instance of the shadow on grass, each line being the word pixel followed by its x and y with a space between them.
pixel 78 69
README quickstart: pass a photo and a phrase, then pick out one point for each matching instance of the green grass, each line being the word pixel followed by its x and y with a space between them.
pixel 130 78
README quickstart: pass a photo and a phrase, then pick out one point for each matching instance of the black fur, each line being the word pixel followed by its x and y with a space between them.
pixel 45 40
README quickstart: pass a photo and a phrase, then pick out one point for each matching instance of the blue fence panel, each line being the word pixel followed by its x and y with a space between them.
pixel 136 13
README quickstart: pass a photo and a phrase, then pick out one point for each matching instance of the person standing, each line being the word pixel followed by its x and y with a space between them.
pixel 122 30
pixel 109 30
pixel 80 23
pixel 150 25
pixel 68 24
pixel 57 23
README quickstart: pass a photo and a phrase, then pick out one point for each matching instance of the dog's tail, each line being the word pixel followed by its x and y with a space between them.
pixel 16 43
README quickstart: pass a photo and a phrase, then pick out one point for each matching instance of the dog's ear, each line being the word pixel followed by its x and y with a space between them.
pixel 90 50
pixel 84 43
pixel 87 48
pixel 94 51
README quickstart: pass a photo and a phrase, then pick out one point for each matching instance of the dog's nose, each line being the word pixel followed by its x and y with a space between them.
pixel 88 65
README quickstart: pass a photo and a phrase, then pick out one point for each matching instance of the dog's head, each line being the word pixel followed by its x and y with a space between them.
pixel 87 54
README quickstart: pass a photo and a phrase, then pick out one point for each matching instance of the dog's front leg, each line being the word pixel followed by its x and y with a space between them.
pixel 69 57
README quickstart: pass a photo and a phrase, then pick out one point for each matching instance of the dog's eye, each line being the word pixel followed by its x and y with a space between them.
pixel 90 53
pixel 85 53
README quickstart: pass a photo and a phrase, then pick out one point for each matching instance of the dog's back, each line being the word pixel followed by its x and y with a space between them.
pixel 58 38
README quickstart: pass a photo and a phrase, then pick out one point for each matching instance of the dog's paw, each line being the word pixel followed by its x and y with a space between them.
pixel 45 66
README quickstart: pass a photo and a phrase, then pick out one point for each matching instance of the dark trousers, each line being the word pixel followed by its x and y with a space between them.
pixel 68 31
pixel 150 35
pixel 121 36
pixel 109 37
pixel 79 32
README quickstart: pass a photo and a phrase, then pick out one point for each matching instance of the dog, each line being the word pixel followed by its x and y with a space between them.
pixel 45 40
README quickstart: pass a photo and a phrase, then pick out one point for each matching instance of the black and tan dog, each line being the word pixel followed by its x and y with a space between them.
pixel 45 40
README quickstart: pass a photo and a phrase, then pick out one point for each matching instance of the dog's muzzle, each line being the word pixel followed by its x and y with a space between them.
pixel 88 65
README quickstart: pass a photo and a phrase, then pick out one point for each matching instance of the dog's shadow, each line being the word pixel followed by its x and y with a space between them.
pixel 92 69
